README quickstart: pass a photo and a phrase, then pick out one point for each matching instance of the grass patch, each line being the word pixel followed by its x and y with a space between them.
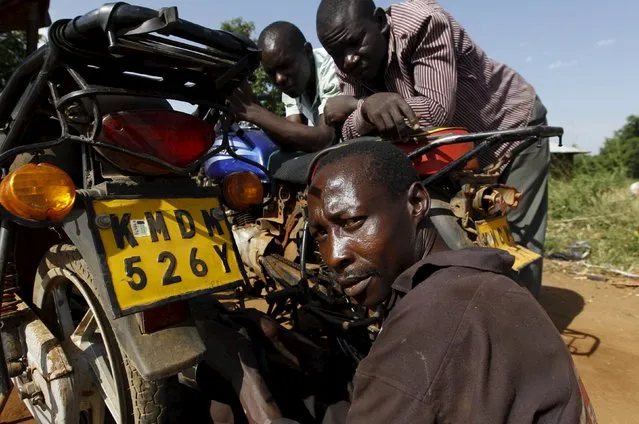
pixel 597 209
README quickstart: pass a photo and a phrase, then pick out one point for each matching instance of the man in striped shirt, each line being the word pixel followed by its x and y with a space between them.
pixel 413 65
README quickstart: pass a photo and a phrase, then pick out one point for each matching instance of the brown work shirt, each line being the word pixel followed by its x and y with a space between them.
pixel 466 344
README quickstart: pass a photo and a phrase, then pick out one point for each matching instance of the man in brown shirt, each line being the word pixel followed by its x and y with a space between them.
pixel 462 342
pixel 413 64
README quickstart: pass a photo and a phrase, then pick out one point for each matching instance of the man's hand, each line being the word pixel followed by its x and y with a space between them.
pixel 387 111
pixel 338 108
pixel 243 104
pixel 289 134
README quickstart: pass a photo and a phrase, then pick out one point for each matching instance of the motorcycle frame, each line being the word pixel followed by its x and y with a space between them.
pixel 60 56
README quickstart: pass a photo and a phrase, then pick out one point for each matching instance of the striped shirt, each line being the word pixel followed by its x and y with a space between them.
pixel 444 76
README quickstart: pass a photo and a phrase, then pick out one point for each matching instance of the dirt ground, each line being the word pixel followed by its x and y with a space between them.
pixel 600 324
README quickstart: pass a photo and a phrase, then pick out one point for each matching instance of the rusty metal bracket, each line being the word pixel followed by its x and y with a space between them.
pixel 473 202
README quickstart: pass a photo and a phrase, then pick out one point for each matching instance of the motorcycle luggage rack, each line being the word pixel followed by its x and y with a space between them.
pixel 49 62
pixel 526 135
pixel 133 34
pixel 180 74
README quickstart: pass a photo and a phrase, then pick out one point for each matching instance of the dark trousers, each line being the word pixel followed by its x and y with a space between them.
pixel 528 172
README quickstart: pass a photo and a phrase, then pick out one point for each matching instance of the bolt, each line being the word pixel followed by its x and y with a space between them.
pixel 15 368
pixel 29 390
pixel 38 400
pixel 103 222
pixel 218 214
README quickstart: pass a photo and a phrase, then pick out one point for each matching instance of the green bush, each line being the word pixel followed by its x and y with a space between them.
pixel 13 48
pixel 596 205
pixel 596 208
pixel 619 154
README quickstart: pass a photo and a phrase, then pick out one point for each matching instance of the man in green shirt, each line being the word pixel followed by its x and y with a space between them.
pixel 307 78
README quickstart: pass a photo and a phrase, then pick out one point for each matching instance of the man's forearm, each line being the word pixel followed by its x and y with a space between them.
pixel 355 125
pixel 292 135
pixel 430 112
pixel 257 401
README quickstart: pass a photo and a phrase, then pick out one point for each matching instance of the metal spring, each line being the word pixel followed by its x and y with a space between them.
pixel 9 300
pixel 243 219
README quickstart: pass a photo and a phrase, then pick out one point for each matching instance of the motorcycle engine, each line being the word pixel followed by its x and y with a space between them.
pixel 274 229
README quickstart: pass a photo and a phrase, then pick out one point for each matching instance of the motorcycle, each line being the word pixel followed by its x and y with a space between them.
pixel 107 233
pixel 120 215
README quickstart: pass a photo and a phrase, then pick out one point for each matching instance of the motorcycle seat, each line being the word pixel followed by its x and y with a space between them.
pixel 293 170
pixel 297 169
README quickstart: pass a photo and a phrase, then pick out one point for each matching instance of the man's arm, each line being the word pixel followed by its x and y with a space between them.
pixel 510 360
pixel 377 400
pixel 483 351
pixel 435 73
pixel 434 76
pixel 287 133
pixel 297 119
pixel 291 132
pixel 355 125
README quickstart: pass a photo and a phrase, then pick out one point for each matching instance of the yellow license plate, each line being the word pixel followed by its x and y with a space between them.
pixel 161 250
pixel 496 233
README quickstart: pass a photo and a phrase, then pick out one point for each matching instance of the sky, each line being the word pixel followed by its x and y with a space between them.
pixel 580 55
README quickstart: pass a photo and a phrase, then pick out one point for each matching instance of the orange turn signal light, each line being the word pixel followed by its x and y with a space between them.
pixel 242 190
pixel 41 192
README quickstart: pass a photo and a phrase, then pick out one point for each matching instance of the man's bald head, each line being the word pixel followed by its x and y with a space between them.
pixel 282 35
pixel 379 163
pixel 287 58
pixel 331 11
pixel 355 34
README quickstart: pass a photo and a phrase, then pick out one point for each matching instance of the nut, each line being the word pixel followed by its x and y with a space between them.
pixel 103 222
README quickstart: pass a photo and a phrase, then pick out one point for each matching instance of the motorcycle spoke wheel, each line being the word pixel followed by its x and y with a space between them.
pixel 106 387
pixel 82 336
pixel 86 337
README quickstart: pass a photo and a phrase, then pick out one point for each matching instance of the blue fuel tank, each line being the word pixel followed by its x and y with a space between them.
pixel 252 144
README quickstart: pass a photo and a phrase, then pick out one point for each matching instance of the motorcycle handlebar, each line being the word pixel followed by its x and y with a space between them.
pixel 504 136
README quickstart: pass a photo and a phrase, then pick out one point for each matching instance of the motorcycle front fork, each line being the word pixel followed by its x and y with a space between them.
pixel 6 228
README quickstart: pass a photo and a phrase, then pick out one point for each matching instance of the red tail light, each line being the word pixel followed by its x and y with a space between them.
pixel 175 137
pixel 161 317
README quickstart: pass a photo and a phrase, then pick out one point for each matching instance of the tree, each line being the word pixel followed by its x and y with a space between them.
pixel 270 97
pixel 13 47
pixel 618 154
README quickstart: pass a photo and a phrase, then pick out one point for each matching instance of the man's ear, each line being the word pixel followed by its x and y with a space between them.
pixel 418 201
pixel 382 20
pixel 308 47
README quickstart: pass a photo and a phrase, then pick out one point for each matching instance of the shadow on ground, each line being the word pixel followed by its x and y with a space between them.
pixel 563 306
